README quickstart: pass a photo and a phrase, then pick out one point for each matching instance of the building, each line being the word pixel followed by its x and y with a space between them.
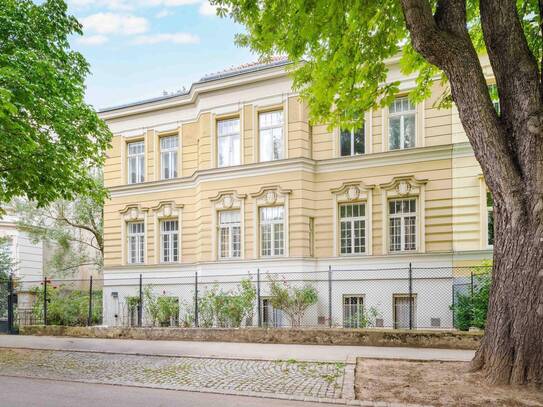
pixel 230 177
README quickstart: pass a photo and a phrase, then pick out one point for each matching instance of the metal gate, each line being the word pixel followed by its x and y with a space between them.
pixel 8 301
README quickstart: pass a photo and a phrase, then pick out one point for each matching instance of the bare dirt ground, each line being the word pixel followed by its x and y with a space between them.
pixel 435 384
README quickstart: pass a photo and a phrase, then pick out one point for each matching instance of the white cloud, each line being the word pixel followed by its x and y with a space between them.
pixel 110 23
pixel 97 39
pixel 109 4
pixel 163 13
pixel 175 38
pixel 207 9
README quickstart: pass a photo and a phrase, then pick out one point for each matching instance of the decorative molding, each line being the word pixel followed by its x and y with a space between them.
pixel 228 200
pixel 167 209
pixel 403 186
pixel 133 212
pixel 352 191
pixel 271 195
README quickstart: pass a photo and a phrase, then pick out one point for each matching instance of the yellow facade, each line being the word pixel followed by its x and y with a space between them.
pixel 310 181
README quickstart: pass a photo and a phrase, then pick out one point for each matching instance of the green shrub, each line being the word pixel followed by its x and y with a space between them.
pixel 226 308
pixel 68 307
pixel 470 310
pixel 291 300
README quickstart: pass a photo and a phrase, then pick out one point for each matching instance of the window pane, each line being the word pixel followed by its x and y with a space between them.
pixel 271 135
pixel 410 233
pixel 359 147
pixel 395 235
pixel 394 133
pixel 345 237
pixel 345 142
pixel 228 142
pixel 409 131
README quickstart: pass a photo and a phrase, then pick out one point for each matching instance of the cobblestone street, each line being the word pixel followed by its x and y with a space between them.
pixel 293 378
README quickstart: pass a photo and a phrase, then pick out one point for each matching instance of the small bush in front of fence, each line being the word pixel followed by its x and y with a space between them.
pixel 227 309
pixel 291 300
pixel 68 307
pixel 470 308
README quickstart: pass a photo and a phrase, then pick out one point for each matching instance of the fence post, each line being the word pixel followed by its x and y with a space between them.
pixel 10 304
pixel 196 299
pixel 89 321
pixel 140 303
pixel 410 297
pixel 259 313
pixel 471 297
pixel 45 301
pixel 330 296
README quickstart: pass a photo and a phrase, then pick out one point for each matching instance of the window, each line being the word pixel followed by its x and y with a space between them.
pixel 228 142
pixel 352 225
pixel 404 311
pixel 352 142
pixel 490 219
pixel 403 224
pixel 353 311
pixel 271 135
pixel 229 234
pixel 168 157
pixel 136 242
pixel 136 162
pixel 271 317
pixel 493 90
pixel 272 231
pixel 401 123
pixel 169 241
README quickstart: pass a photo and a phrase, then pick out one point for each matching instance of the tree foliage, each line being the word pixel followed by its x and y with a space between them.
pixel 292 300
pixel 340 49
pixel 72 229
pixel 50 139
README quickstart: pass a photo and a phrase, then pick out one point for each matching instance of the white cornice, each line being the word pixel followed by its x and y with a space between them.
pixel 298 164
pixel 195 91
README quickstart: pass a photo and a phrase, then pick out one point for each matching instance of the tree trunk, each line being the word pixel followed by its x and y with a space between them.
pixel 512 347
pixel 509 149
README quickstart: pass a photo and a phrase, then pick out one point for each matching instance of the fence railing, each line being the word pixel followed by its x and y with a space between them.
pixel 392 297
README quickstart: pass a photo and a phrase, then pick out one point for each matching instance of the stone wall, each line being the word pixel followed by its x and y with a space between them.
pixel 357 337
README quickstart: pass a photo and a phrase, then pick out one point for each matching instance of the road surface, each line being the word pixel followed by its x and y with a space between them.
pixel 23 392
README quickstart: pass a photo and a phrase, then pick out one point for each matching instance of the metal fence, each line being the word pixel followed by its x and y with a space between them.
pixel 393 297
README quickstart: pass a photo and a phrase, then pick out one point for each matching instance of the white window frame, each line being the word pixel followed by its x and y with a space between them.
pixel 139 243
pixel 170 155
pixel 352 133
pixel 173 242
pixel 351 220
pixel 402 115
pixel 276 126
pixel 402 216
pixel 229 227
pixel 275 251
pixel 230 136
pixel 139 159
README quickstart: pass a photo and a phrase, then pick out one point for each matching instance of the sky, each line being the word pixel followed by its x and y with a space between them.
pixel 139 49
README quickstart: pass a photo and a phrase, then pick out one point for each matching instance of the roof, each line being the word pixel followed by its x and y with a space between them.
pixel 226 73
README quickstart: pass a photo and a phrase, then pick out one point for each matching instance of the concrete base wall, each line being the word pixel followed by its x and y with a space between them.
pixel 356 337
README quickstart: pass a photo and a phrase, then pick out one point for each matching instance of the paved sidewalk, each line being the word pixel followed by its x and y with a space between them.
pixel 255 351
pixel 278 379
